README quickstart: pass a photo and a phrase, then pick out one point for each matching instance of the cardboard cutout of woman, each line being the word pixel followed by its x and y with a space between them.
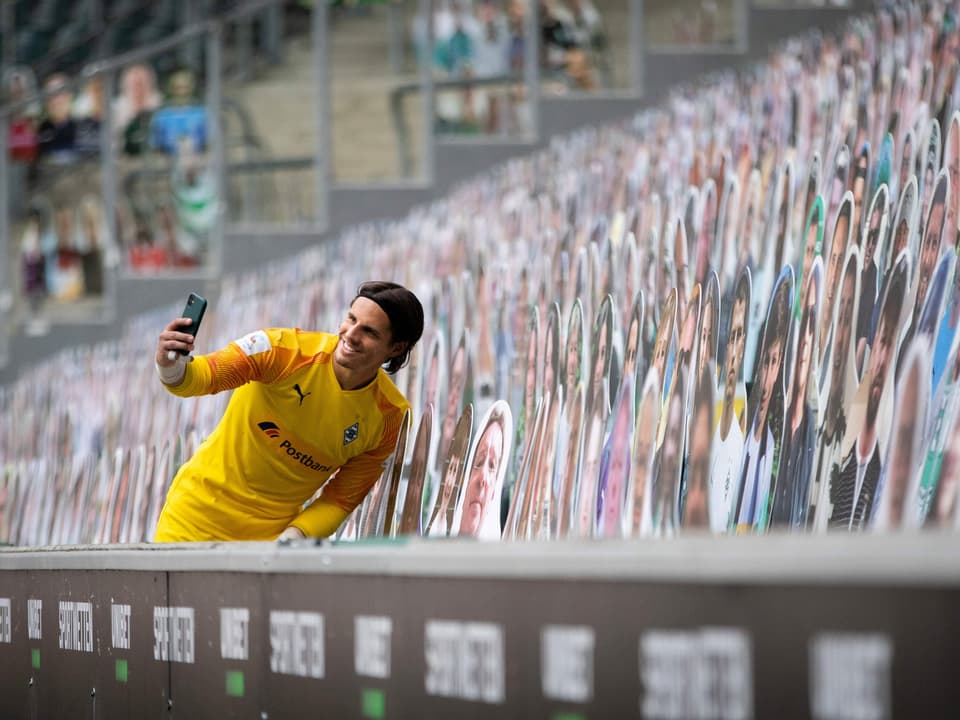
pixel 478 508
pixel 792 487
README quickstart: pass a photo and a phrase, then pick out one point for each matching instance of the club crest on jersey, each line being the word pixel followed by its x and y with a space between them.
pixel 351 433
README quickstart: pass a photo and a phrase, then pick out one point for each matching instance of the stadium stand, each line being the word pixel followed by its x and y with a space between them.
pixel 691 355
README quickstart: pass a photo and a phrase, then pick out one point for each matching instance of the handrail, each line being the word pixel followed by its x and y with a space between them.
pixel 264 165
pixel 398 94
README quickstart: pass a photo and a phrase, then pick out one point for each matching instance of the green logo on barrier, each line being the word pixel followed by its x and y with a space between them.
pixel 35 658
pixel 373 704
pixel 235 683
pixel 120 670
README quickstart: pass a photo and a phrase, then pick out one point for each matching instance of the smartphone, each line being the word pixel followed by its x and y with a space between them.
pixel 195 308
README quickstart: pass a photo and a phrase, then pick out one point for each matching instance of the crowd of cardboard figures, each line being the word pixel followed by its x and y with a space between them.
pixel 736 313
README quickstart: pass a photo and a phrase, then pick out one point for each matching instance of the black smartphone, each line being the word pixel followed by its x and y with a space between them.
pixel 195 308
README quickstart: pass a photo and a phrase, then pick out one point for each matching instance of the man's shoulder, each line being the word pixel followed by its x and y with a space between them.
pixel 289 339
pixel 390 400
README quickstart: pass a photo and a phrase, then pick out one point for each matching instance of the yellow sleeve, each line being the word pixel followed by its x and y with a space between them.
pixel 350 485
pixel 321 519
pixel 232 367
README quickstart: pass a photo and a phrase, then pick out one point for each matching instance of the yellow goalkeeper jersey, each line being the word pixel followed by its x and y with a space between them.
pixel 288 427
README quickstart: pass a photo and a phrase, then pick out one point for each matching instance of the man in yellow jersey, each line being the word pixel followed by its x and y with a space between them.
pixel 308 406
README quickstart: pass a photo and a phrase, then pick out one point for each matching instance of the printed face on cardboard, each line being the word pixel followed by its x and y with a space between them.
pixel 838 252
pixel 459 372
pixel 840 345
pixel 707 229
pixel 768 378
pixel 661 348
pixel 574 347
pixel 899 504
pixel 602 340
pixel 644 444
pixel 633 337
pixel 570 470
pixel 530 377
pixel 859 187
pixel 454 467
pixel 813 237
pixel 804 367
pixel 688 331
pixel 932 236
pixel 876 227
pixel 709 323
pixel 736 344
pixel 670 455
pixel 695 510
pixel 749 243
pixel 435 371
pixel 551 348
pixel 478 508
pixel 412 504
pixel 906 160
pixel 945 512
pixel 838 183
pixel 616 467
pixel 903 224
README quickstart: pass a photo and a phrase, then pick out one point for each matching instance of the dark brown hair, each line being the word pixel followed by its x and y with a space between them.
pixel 404 311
